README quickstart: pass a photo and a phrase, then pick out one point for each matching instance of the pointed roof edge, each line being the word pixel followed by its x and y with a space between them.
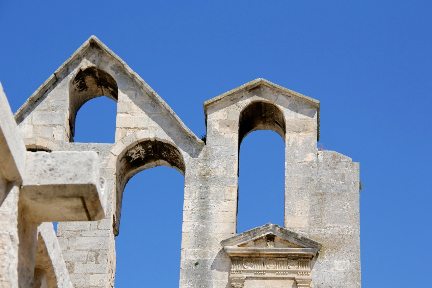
pixel 270 228
pixel 261 81
pixel 94 41
pixel 51 80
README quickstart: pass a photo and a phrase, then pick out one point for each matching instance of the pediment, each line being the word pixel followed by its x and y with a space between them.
pixel 256 87
pixel 93 43
pixel 271 252
pixel 230 95
pixel 90 49
pixel 270 236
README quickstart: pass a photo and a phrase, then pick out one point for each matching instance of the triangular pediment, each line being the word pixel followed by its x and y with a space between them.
pixel 257 83
pixel 249 90
pixel 93 43
pixel 270 251
pixel 94 47
pixel 270 236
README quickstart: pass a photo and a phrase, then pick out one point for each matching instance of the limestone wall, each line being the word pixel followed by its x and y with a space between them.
pixel 335 220
pixel 321 187
pixel 36 187
pixel 88 246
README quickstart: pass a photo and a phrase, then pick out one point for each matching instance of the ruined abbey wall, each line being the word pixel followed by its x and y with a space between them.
pixel 319 245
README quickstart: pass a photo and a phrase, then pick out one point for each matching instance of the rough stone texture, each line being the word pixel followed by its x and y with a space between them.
pixel 270 256
pixel 88 247
pixel 50 266
pixel 321 187
pixel 9 239
pixel 12 149
pixel 32 186
pixel 68 179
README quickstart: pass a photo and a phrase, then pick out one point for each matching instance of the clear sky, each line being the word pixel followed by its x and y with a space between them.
pixel 368 62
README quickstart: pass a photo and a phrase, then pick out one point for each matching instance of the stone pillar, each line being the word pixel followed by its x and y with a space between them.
pixel 27 232
pixel 210 206
pixel 9 235
pixel 39 187
pixel 17 228
pixel 300 166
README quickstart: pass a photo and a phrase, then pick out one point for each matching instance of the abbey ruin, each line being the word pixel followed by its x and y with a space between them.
pixel 46 177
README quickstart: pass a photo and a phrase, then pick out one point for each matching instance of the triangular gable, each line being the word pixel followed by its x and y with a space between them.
pixel 242 239
pixel 231 95
pixel 94 42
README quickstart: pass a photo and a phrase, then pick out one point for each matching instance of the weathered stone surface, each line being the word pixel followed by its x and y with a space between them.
pixel 49 258
pixel 9 237
pixel 12 149
pixel 64 186
pixel 31 256
pixel 66 183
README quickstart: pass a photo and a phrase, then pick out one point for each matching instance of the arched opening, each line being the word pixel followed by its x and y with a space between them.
pixel 261 166
pixel 96 121
pixel 143 155
pixel 149 245
pixel 261 116
pixel 88 84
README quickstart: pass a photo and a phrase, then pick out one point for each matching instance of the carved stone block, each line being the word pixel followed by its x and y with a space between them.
pixel 284 256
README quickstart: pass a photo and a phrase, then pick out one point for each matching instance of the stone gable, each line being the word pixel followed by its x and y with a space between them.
pixel 45 176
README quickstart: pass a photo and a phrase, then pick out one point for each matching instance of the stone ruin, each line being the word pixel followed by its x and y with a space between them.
pixel 46 177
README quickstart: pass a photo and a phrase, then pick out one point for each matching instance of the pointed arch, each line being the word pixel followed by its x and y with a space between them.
pixel 152 202
pixel 87 84
pixel 138 156
pixel 260 115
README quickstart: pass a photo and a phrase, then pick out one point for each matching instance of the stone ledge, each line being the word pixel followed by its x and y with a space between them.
pixel 64 186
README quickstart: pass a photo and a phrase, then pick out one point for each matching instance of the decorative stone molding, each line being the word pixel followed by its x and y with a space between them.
pixel 270 252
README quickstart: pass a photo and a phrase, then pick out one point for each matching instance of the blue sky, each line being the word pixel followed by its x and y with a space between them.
pixel 368 62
